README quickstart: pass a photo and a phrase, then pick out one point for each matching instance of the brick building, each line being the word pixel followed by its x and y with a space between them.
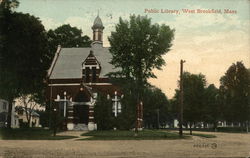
pixel 77 76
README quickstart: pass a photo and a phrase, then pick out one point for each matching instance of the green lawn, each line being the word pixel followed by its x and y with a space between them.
pixel 195 134
pixel 221 129
pixel 30 134
pixel 129 135
pixel 204 135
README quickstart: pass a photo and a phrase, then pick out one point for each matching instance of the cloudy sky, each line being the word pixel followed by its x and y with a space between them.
pixel 209 42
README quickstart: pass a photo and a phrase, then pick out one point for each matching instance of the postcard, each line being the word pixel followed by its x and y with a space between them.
pixel 92 78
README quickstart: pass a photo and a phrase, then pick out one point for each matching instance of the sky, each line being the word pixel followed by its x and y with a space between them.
pixel 209 42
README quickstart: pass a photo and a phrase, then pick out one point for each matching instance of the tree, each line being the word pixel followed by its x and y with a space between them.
pixel 174 109
pixel 126 119
pixel 212 105
pixel 67 36
pixel 8 5
pixel 193 89
pixel 103 113
pixel 28 104
pixel 156 107
pixel 137 47
pixel 43 118
pixel 235 85
pixel 24 57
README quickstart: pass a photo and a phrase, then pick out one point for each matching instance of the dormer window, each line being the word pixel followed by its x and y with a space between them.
pixel 90 69
pixel 4 106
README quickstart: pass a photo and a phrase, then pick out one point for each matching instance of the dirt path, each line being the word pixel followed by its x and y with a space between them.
pixel 225 145
pixel 74 133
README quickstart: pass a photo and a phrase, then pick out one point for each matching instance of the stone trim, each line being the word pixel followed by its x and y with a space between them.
pixel 77 84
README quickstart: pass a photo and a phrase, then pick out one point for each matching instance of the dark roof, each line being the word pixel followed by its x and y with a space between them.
pixel 69 62
pixel 98 23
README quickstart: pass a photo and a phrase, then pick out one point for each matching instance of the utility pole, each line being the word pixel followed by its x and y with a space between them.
pixel 181 99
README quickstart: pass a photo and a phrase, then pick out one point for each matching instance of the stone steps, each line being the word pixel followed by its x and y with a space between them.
pixel 80 127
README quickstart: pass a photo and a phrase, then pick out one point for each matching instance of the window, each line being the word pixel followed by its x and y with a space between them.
pixel 83 73
pixel 4 106
pixel 99 37
pixel 94 74
pixel 87 75
pixel 117 108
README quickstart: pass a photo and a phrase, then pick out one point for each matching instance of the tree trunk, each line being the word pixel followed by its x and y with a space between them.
pixel 9 113
pixel 190 128
pixel 139 87
pixel 247 124
pixel 242 126
pixel 27 117
pixel 215 126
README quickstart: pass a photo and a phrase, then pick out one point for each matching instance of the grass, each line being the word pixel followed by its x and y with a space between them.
pixel 222 129
pixel 30 134
pixel 204 135
pixel 129 135
pixel 196 134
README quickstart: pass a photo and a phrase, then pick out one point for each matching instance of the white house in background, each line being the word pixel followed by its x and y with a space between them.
pixel 18 117
pixel 4 107
pixel 22 118
pixel 26 103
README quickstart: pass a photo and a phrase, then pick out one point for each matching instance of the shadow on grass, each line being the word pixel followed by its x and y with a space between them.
pixel 129 135
pixel 30 134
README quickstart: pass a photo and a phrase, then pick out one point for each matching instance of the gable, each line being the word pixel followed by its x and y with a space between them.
pixel 91 60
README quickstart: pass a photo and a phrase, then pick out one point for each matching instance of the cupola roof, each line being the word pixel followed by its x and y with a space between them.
pixel 98 23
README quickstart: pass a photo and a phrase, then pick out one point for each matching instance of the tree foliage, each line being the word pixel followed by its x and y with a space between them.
pixel 24 55
pixel 126 119
pixel 9 5
pixel 156 108
pixel 193 93
pixel 103 113
pixel 28 105
pixel 67 36
pixel 212 108
pixel 153 99
pixel 25 59
pixel 235 88
pixel 193 87
pixel 137 47
pixel 230 102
